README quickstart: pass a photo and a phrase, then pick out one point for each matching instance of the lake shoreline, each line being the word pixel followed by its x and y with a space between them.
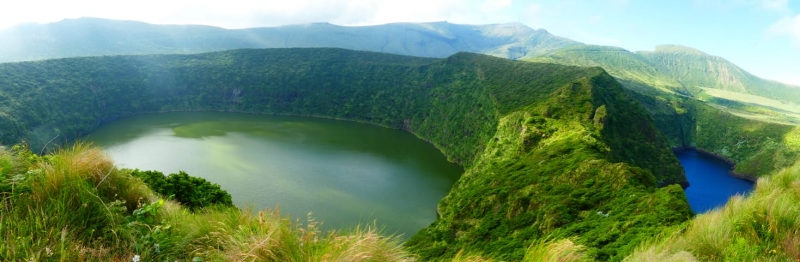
pixel 347 171
pixel 402 128
pixel 731 163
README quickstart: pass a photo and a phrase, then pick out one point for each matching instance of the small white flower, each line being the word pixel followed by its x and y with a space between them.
pixel 136 258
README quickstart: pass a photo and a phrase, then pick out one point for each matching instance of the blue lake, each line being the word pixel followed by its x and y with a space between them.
pixel 710 185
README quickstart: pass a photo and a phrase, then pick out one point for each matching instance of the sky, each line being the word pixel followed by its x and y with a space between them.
pixel 761 36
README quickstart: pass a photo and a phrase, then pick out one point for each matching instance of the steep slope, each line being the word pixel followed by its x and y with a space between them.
pixel 76 205
pixel 549 150
pixel 714 124
pixel 550 172
pixel 633 71
pixel 762 226
pixel 757 148
pixel 700 70
pixel 94 37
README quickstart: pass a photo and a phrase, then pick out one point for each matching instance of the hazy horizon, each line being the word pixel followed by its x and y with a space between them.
pixel 761 36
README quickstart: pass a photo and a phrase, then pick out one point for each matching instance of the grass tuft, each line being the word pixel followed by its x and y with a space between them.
pixel 75 205
pixel 763 226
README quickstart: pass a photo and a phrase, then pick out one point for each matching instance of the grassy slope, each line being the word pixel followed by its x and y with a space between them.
pixel 764 226
pixel 697 69
pixel 74 205
pixel 561 180
pixel 465 105
pixel 757 148
pixel 657 80
pixel 632 70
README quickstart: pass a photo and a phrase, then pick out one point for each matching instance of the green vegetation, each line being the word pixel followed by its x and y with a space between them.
pixel 74 205
pixel 560 180
pixel 192 192
pixel 757 148
pixel 752 106
pixel 700 70
pixel 685 91
pixel 632 70
pixel 764 226
pixel 550 151
pixel 561 162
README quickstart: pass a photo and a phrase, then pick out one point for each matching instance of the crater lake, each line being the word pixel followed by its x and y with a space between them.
pixel 342 173
pixel 710 185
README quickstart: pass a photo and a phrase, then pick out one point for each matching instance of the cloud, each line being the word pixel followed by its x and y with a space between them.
pixel 776 5
pixel 494 5
pixel 787 26
pixel 254 13
pixel 781 6
pixel 793 80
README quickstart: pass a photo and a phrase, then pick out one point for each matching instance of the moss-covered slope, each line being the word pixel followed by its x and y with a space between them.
pixel 665 81
pixel 756 148
pixel 554 169
pixel 632 70
pixel 549 150
pixel 697 69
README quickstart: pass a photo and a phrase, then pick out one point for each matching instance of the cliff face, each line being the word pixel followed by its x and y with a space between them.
pixel 549 150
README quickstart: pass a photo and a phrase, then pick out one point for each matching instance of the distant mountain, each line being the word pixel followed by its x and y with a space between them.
pixel 671 69
pixel 94 37
pixel 697 69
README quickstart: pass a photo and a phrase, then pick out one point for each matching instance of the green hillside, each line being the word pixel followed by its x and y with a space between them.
pixel 688 72
pixel 549 151
pixel 560 181
pixel 762 226
pixel 700 70
pixel 756 147
pixel 97 37
pixel 752 134
pixel 75 205
pixel 633 71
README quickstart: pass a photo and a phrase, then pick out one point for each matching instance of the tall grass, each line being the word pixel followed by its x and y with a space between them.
pixel 764 226
pixel 69 205
pixel 228 234
pixel 74 205
pixel 563 250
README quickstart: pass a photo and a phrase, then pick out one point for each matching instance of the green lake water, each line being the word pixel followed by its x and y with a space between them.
pixel 345 173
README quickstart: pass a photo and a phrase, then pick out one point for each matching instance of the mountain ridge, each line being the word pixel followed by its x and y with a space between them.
pixel 699 69
pixel 97 36
pixel 435 39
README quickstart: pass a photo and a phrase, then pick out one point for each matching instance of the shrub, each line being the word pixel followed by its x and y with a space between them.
pixel 192 192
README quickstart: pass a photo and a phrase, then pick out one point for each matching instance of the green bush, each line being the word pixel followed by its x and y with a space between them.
pixel 193 192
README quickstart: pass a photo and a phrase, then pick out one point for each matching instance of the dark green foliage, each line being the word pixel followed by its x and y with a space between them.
pixel 664 82
pixel 552 171
pixel 756 148
pixel 545 147
pixel 192 192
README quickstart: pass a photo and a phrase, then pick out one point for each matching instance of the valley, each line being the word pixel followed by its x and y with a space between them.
pixel 539 142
